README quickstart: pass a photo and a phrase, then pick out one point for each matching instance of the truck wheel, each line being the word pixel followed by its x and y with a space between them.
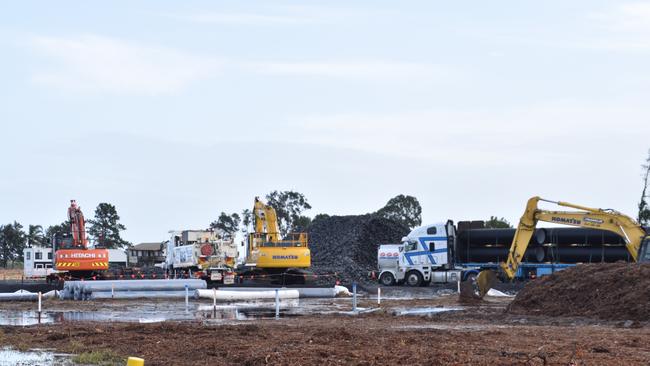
pixel 387 279
pixel 413 279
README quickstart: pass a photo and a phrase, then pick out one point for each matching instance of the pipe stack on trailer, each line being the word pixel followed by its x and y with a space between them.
pixel 557 245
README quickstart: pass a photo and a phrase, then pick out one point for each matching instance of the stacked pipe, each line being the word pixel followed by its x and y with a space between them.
pixel 492 245
pixel 571 245
pixel 566 245
pixel 121 289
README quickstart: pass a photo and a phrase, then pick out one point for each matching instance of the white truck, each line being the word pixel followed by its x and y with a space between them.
pixel 423 257
pixel 201 253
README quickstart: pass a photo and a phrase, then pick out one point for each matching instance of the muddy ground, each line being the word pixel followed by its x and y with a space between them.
pixel 482 335
pixel 613 291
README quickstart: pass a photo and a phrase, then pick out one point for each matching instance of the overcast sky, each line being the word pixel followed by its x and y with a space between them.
pixel 177 110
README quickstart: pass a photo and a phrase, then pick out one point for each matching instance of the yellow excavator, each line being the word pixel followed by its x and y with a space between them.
pixel 281 259
pixel 637 240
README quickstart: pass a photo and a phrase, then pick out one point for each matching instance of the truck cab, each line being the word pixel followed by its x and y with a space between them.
pixel 424 256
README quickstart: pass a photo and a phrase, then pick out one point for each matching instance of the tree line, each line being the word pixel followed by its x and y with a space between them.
pixel 290 207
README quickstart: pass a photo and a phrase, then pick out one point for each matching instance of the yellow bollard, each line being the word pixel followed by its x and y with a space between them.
pixel 135 361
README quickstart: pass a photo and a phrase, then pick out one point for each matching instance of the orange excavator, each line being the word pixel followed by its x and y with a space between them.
pixel 73 259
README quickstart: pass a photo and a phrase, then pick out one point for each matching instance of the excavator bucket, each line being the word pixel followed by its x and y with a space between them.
pixel 484 281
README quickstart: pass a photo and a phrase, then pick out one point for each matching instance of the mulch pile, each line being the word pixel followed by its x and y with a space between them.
pixel 347 245
pixel 609 291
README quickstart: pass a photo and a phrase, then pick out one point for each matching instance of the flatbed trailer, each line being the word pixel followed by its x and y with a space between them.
pixel 526 270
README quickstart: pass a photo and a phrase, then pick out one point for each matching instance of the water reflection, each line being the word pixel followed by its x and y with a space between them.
pixel 12 357
pixel 152 314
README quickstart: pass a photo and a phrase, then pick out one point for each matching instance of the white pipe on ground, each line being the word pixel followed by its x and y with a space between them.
pixel 225 295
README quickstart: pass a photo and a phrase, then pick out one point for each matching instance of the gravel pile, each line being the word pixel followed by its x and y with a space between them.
pixel 610 291
pixel 347 245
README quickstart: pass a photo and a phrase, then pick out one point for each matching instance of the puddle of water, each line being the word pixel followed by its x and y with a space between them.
pixel 176 311
pixel 13 357
pixel 23 318
pixel 425 311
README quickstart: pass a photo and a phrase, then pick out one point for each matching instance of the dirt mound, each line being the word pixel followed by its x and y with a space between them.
pixel 347 245
pixel 609 291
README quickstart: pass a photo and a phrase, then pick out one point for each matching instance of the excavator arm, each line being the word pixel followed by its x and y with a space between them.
pixel 634 235
pixel 266 220
pixel 77 226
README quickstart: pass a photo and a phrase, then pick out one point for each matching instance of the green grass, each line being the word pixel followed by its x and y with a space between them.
pixel 101 357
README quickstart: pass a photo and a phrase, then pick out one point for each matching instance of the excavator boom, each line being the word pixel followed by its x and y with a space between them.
pixel 636 239
pixel 266 220
pixel 78 225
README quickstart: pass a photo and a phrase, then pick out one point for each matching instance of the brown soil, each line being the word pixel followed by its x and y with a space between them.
pixel 467 296
pixel 364 340
pixel 611 291
pixel 483 334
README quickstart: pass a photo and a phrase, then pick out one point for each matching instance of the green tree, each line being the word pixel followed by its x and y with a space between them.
pixel 644 210
pixel 35 235
pixel 227 224
pixel 403 208
pixel 497 223
pixel 300 224
pixel 60 230
pixel 105 228
pixel 12 243
pixel 246 220
pixel 289 206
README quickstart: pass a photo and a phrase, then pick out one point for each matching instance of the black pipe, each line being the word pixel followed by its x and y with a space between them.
pixel 581 236
pixel 499 254
pixel 575 254
pixel 482 237
pixel 492 245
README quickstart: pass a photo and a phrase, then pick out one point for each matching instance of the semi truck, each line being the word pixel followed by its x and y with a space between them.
pixel 445 253
pixel 202 254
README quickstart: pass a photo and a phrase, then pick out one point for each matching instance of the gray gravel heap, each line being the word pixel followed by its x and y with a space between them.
pixel 347 245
